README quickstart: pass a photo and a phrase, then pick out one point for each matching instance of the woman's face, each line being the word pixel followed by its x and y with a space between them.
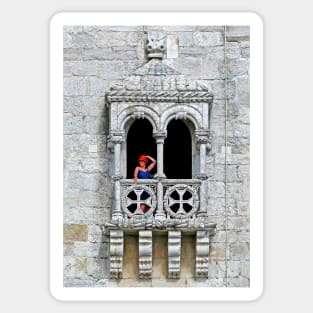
pixel 142 163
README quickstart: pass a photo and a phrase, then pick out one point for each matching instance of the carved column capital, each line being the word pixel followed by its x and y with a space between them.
pixel 202 137
pixel 160 136
pixel 116 137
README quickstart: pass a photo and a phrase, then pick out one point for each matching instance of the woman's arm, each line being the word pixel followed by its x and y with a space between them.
pixel 152 165
pixel 136 173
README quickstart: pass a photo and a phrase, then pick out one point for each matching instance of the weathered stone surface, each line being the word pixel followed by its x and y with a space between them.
pixel 99 57
pixel 76 86
pixel 237 33
pixel 203 39
pixel 72 54
pixel 72 124
pixel 75 232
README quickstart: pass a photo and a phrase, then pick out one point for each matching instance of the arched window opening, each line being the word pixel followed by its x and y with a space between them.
pixel 139 141
pixel 177 151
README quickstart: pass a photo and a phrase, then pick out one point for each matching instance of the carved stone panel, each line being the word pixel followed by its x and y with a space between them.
pixel 145 253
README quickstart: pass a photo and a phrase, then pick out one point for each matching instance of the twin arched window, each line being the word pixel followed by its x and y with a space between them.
pixel 178 148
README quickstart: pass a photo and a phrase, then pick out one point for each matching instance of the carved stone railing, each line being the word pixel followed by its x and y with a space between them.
pixel 169 204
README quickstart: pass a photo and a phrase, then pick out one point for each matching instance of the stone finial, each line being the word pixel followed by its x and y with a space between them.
pixel 156 45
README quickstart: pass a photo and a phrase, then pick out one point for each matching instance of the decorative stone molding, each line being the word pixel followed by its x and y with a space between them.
pixel 116 253
pixel 159 96
pixel 145 253
pixel 174 254
pixel 132 197
pixel 181 200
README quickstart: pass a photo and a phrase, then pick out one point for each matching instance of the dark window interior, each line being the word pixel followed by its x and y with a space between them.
pixel 140 141
pixel 177 151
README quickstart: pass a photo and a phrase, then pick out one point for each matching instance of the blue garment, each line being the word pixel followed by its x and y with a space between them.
pixel 144 174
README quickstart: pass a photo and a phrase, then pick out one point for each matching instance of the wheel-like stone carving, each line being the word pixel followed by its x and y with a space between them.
pixel 180 200
pixel 135 196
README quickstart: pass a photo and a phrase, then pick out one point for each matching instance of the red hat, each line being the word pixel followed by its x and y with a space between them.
pixel 143 158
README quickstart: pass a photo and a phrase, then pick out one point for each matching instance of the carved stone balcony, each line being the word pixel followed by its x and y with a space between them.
pixel 170 204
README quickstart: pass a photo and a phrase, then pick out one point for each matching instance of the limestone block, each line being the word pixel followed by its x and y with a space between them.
pixel 94 165
pixel 97 54
pixel 99 86
pixel 217 251
pixel 237 67
pixel 185 39
pixel 71 105
pixel 91 198
pixel 210 28
pixel 75 232
pixel 113 28
pixel 172 46
pixel 93 182
pixel 97 267
pixel 86 249
pixel 203 39
pixel 112 70
pixel 72 124
pixel 179 28
pixel 216 52
pixel 75 267
pixel 233 50
pixel 211 69
pixel 110 39
pixel 243 90
pixel 92 105
pixel 238 282
pixel 84 68
pixel 94 125
pixel 125 53
pixel 76 86
pixel 83 39
pixel 216 188
pixel 243 207
pixel 216 206
pixel 78 282
pixel 245 49
pixel 237 33
pixel 216 269
pixel 238 222
pixel 72 54
pixel 239 251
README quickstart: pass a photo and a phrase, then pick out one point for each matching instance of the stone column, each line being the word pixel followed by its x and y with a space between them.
pixel 159 138
pixel 117 211
pixel 160 214
pixel 203 140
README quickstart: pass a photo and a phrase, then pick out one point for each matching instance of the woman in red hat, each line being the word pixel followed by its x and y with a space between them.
pixel 143 172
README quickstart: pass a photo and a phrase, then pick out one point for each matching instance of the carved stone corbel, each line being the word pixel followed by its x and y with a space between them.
pixel 202 254
pixel 174 253
pixel 145 254
pixel 116 253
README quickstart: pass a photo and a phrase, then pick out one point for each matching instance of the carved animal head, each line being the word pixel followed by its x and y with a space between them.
pixel 156 43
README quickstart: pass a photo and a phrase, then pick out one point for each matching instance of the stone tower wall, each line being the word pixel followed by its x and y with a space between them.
pixel 96 58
